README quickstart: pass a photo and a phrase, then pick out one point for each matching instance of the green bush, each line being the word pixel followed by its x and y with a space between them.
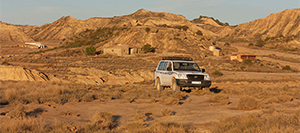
pixel 147 48
pixel 227 44
pixel 287 67
pixel 217 73
pixel 199 33
pixel 260 43
pixel 248 62
pixel 147 30
pixel 5 63
pixel 90 50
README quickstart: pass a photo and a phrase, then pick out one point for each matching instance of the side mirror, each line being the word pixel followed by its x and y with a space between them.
pixel 203 70
pixel 169 69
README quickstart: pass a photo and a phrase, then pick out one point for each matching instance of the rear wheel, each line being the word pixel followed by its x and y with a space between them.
pixel 175 87
pixel 158 85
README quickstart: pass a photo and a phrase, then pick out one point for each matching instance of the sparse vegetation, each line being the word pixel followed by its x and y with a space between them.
pixel 216 20
pixel 140 116
pixel 5 63
pixel 148 29
pixel 259 43
pixel 220 98
pixel 287 67
pixel 101 121
pixel 199 33
pixel 147 48
pixel 91 37
pixel 217 73
pixel 90 50
pixel 166 112
pixel 227 44
pixel 175 27
pixel 249 103
pixel 258 122
pixel 248 62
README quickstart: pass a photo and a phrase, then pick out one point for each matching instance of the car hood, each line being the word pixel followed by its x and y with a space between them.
pixel 191 72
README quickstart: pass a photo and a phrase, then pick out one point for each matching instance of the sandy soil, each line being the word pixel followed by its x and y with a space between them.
pixel 194 110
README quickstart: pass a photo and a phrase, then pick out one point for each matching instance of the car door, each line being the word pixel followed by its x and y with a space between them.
pixel 160 72
pixel 167 74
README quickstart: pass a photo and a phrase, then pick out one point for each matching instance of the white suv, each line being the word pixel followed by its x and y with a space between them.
pixel 178 72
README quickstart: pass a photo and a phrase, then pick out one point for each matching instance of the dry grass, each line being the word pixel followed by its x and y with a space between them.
pixel 267 95
pixel 158 127
pixel 134 127
pixel 258 122
pixel 140 116
pixel 249 103
pixel 167 112
pixel 18 113
pixel 30 92
pixel 22 125
pixel 101 121
pixel 220 98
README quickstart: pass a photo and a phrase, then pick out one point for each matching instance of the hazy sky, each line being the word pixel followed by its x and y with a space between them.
pixel 39 12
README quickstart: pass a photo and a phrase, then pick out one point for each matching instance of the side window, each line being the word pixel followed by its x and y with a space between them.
pixel 169 68
pixel 165 66
pixel 160 65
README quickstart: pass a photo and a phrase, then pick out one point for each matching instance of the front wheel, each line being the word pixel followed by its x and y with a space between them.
pixel 175 87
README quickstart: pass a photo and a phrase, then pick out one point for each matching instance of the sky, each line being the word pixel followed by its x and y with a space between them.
pixel 39 12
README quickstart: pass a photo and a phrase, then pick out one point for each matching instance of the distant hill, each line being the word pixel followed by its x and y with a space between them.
pixel 11 33
pixel 286 23
pixel 68 26
pixel 164 29
pixel 209 21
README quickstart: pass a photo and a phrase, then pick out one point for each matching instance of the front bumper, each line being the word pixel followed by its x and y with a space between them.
pixel 188 83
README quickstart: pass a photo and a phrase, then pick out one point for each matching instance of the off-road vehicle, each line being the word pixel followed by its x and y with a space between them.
pixel 178 73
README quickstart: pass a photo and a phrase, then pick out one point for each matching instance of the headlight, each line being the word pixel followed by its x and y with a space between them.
pixel 182 76
pixel 206 77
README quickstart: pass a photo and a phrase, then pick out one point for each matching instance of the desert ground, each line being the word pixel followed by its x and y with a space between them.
pixel 79 87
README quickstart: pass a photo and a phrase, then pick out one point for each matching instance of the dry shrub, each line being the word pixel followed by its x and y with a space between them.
pixel 100 121
pixel 134 127
pixel 202 92
pixel 153 100
pixel 254 123
pixel 36 92
pixel 167 112
pixel 158 127
pixel 140 116
pixel 88 97
pixel 220 98
pixel 249 103
pixel 67 113
pixel 22 125
pixel 172 101
pixel 169 127
pixel 140 93
pixel 18 113
pixel 278 99
pixel 270 95
pixel 179 95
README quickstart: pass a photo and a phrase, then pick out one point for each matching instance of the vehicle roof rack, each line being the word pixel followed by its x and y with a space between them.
pixel 178 58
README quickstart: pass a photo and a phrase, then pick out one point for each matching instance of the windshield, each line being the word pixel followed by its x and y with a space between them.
pixel 186 66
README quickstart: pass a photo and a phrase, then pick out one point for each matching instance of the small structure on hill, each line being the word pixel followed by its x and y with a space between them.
pixel 216 50
pixel 33 45
pixel 121 49
pixel 242 56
